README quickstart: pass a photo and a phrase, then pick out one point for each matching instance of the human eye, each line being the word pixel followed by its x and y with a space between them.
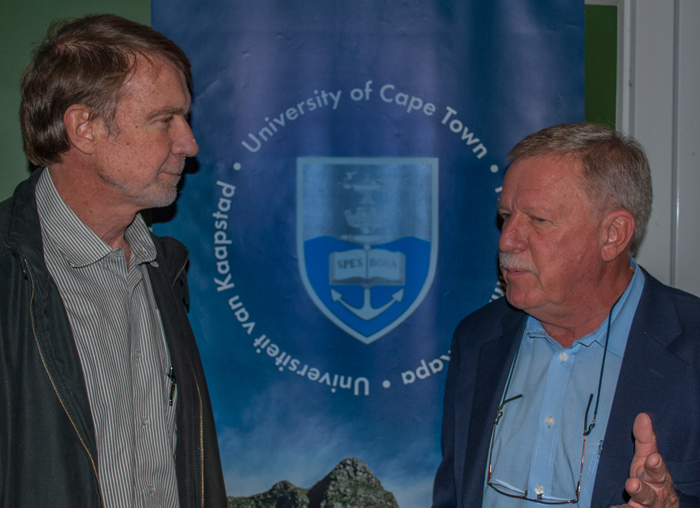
pixel 503 217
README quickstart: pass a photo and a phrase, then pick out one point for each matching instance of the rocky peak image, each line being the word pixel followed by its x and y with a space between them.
pixel 351 484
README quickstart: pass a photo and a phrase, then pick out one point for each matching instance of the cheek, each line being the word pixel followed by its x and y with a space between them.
pixel 154 153
pixel 552 263
pixel 567 265
pixel 583 249
pixel 162 148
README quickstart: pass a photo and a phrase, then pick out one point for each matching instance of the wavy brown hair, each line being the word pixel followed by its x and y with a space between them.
pixel 84 61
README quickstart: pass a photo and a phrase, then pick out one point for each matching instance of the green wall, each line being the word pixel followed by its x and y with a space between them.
pixel 601 64
pixel 23 24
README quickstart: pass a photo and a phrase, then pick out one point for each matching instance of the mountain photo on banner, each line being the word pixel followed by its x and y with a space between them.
pixel 341 220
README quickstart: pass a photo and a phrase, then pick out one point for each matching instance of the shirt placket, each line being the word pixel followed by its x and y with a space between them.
pixel 139 355
pixel 540 482
pixel 118 437
pixel 149 389
pixel 143 418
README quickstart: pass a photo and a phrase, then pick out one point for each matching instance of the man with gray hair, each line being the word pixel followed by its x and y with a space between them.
pixel 103 401
pixel 582 385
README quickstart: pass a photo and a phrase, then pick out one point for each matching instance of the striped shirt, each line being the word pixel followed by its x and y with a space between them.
pixel 121 344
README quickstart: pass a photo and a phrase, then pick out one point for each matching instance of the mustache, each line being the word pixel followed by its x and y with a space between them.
pixel 508 261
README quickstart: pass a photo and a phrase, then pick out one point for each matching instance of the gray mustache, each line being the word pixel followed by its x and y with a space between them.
pixel 509 261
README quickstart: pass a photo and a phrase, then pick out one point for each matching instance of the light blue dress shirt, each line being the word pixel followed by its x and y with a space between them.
pixel 539 439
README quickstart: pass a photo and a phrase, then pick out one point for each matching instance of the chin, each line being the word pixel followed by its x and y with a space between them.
pixel 516 298
pixel 161 199
pixel 166 202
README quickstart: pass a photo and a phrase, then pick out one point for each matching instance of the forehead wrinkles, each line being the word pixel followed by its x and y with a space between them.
pixel 149 89
pixel 542 183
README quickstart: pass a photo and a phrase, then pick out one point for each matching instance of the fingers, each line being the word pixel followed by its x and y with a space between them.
pixel 644 438
pixel 648 464
pixel 649 485
pixel 642 495
pixel 640 492
pixel 654 471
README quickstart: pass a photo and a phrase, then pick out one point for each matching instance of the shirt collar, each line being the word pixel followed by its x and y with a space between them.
pixel 77 242
pixel 622 316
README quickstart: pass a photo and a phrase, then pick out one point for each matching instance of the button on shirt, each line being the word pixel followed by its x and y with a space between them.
pixel 539 438
pixel 122 349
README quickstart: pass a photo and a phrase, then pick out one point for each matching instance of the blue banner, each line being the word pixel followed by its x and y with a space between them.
pixel 341 219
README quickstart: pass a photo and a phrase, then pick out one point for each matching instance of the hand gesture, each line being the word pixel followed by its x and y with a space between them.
pixel 649 485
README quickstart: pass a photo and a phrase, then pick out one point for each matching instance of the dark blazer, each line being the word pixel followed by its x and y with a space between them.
pixel 660 375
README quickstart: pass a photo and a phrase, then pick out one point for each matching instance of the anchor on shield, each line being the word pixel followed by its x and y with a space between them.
pixel 367 238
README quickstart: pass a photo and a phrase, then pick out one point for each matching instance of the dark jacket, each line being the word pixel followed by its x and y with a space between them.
pixel 659 375
pixel 48 454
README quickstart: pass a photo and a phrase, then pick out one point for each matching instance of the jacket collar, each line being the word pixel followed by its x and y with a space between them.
pixel 24 229
pixel 23 220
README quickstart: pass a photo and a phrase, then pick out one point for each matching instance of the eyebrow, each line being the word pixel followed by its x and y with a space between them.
pixel 169 112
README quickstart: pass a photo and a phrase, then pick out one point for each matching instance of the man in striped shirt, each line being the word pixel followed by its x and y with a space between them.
pixel 103 397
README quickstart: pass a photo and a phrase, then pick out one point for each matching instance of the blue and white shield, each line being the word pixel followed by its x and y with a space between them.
pixel 367 238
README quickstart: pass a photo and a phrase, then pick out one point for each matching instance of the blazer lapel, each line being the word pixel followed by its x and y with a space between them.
pixel 495 359
pixel 648 372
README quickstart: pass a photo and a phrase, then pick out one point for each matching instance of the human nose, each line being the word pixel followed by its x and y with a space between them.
pixel 185 144
pixel 512 235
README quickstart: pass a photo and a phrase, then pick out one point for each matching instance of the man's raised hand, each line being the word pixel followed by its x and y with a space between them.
pixel 649 485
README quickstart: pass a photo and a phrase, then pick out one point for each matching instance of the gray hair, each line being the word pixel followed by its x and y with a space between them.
pixel 615 169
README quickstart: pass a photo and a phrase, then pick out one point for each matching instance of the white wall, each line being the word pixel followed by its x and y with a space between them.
pixel 663 113
pixel 688 143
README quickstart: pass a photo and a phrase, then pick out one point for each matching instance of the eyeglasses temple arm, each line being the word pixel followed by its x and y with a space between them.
pixel 500 408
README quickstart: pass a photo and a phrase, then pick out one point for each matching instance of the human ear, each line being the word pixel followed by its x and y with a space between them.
pixel 619 227
pixel 80 127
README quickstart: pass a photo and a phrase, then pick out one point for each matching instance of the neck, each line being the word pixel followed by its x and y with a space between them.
pixel 590 314
pixel 106 217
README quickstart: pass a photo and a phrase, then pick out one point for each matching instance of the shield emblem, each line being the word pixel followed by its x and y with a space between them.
pixel 367 238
